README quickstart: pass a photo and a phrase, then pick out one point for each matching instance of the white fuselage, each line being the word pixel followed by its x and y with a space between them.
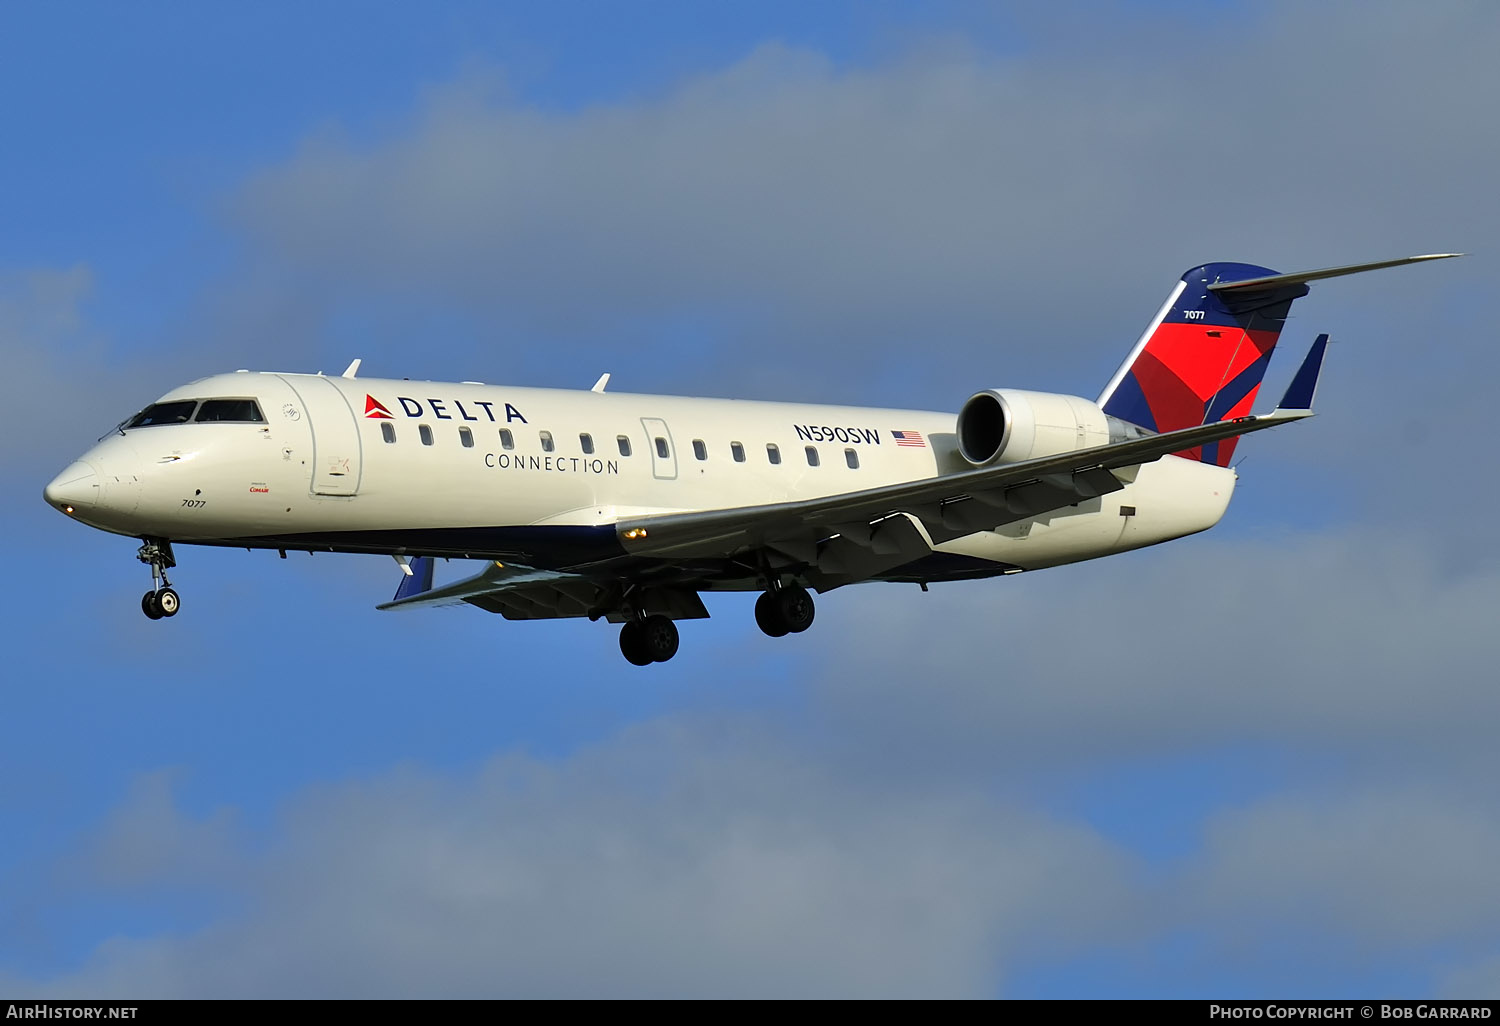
pixel 411 467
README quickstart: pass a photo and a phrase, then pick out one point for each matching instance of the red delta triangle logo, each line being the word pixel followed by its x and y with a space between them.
pixel 375 409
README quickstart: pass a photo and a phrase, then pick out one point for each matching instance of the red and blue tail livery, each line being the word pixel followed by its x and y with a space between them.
pixel 1203 358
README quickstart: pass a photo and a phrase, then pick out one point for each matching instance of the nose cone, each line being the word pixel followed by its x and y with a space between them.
pixel 77 487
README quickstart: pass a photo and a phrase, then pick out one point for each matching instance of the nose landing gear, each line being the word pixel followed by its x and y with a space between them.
pixel 161 600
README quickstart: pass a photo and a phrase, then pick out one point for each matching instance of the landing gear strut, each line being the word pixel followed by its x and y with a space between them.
pixel 651 639
pixel 784 611
pixel 161 600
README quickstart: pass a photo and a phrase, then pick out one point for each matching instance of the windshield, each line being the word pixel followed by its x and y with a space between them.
pixel 209 411
pixel 244 411
pixel 179 412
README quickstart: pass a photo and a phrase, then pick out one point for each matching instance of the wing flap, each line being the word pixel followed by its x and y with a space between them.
pixel 842 559
pixel 543 600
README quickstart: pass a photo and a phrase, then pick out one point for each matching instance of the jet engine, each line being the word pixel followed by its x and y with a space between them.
pixel 1007 425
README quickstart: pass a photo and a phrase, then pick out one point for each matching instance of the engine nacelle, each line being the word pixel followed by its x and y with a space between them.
pixel 1006 425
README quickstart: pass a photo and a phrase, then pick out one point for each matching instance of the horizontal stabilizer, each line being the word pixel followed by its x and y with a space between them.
pixel 1302 277
pixel 1299 394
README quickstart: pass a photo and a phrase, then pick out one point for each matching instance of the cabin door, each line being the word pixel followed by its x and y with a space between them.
pixel 663 451
pixel 335 431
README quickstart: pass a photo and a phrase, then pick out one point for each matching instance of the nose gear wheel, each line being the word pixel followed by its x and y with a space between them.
pixel 161 601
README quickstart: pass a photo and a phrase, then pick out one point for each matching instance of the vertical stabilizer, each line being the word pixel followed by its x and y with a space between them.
pixel 1204 356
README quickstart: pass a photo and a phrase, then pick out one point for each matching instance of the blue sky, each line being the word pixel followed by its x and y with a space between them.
pixel 1254 763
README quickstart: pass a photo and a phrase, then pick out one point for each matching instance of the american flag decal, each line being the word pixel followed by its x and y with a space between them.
pixel 911 438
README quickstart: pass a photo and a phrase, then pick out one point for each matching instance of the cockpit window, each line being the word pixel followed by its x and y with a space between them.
pixel 179 412
pixel 241 411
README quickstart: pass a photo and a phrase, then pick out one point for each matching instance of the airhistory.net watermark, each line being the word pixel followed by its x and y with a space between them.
pixel 41 1010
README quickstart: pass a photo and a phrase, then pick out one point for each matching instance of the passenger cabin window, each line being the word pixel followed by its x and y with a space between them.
pixel 699 449
pixel 466 437
pixel 852 458
pixel 624 445
pixel 772 453
pixel 812 455
pixel 507 440
pixel 426 433
pixel 546 437
pixel 239 411
pixel 586 441
pixel 737 451
pixel 179 412
pixel 388 431
pixel 661 448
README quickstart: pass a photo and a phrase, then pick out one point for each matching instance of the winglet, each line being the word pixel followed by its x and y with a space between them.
pixel 416 578
pixel 351 370
pixel 601 383
pixel 1299 394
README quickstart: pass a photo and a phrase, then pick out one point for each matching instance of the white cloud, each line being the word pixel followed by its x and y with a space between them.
pixel 674 861
pixel 892 842
pixel 1399 867
pixel 1353 639
pixel 789 210
pixel 145 841
pixel 1479 981
pixel 61 388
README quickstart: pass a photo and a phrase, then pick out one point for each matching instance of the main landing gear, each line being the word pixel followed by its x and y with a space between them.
pixel 785 611
pixel 650 639
pixel 161 600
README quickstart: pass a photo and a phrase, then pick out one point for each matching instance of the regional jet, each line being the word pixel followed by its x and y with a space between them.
pixel 628 508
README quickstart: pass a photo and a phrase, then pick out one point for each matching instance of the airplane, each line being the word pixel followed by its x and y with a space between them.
pixel 629 507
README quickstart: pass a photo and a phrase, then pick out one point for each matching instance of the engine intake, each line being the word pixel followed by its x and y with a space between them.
pixel 1009 425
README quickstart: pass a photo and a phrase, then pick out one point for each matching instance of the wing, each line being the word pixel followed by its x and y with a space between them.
pixel 417 590
pixel 853 535
pixel 523 593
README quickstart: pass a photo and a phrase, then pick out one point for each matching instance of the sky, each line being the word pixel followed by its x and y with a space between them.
pixel 1259 762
